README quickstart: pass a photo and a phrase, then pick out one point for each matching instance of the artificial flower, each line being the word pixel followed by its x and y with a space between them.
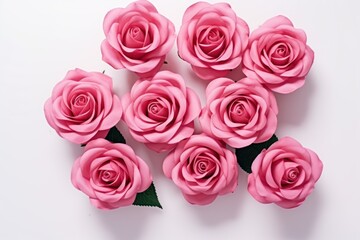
pixel 160 112
pixel 239 113
pixel 212 39
pixel 278 55
pixel 202 168
pixel 137 38
pixel 110 174
pixel 284 174
pixel 83 107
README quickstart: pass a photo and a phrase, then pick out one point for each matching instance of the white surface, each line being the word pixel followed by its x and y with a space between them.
pixel 41 40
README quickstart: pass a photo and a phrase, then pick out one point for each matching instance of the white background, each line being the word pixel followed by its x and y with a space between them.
pixel 41 40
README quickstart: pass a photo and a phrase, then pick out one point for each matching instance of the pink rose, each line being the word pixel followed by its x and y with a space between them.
pixel 110 174
pixel 82 106
pixel 278 56
pixel 284 174
pixel 202 168
pixel 239 113
pixel 137 38
pixel 212 39
pixel 160 112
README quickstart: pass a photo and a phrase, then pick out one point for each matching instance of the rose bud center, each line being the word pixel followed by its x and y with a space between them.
pixel 136 37
pixel 108 176
pixel 211 41
pixel 214 35
pixel 110 173
pixel 280 54
pixel 204 166
pixel 157 111
pixel 237 112
pixel 80 106
pixel 81 100
pixel 290 176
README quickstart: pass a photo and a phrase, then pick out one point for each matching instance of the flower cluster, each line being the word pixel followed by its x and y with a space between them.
pixel 240 115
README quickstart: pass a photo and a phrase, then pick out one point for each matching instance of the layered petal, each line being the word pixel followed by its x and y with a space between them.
pixel 212 39
pixel 202 168
pixel 137 38
pixel 160 112
pixel 278 56
pixel 110 174
pixel 284 174
pixel 82 106
pixel 239 113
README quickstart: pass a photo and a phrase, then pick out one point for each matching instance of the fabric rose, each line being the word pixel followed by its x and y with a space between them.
pixel 239 113
pixel 284 174
pixel 110 174
pixel 137 38
pixel 278 56
pixel 82 106
pixel 202 168
pixel 160 112
pixel 212 39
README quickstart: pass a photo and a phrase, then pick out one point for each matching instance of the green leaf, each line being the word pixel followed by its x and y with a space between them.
pixel 115 136
pixel 246 156
pixel 148 198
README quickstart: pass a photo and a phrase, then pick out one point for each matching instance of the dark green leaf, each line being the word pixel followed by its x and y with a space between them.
pixel 148 198
pixel 115 136
pixel 245 156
